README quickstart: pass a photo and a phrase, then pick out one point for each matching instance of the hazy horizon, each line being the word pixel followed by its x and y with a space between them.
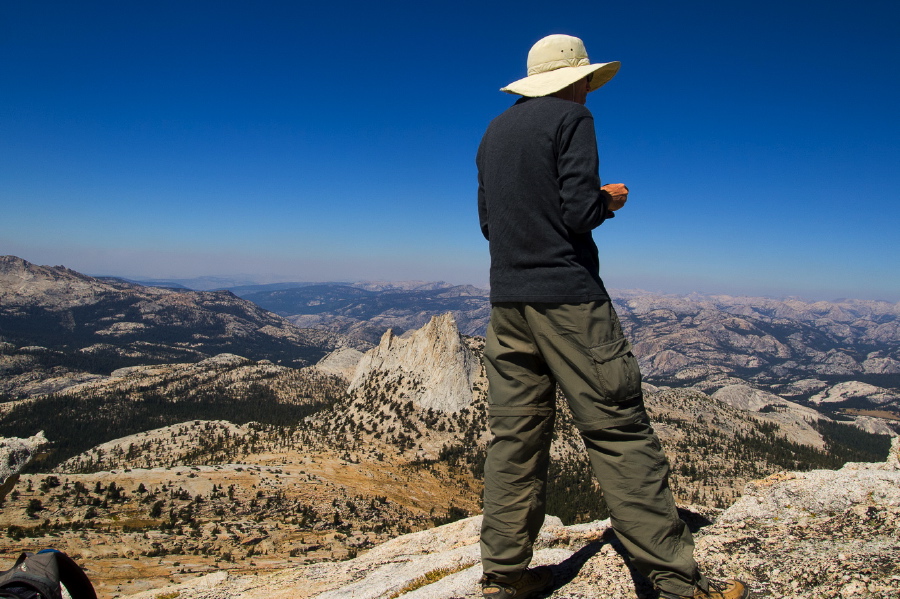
pixel 238 279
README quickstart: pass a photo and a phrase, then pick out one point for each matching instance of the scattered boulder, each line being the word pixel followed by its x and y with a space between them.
pixel 15 454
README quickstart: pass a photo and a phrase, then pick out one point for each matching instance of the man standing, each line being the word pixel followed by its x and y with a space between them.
pixel 552 322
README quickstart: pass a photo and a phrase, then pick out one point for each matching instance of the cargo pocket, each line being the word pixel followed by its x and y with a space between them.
pixel 617 370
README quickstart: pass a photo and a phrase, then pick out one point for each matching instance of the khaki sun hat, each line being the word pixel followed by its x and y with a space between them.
pixel 558 61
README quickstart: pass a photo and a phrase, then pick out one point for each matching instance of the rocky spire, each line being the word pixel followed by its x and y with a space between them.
pixel 433 364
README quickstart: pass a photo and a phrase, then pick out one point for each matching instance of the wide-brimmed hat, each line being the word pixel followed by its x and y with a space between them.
pixel 558 61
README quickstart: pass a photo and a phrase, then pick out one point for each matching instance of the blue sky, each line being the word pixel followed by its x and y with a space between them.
pixel 336 141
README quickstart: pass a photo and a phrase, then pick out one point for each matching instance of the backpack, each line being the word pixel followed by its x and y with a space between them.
pixel 39 575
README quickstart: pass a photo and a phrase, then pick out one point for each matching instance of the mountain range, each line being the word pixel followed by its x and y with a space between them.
pixel 58 326
pixel 683 337
pixel 206 450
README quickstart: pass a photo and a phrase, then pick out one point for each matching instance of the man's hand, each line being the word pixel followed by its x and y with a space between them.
pixel 619 193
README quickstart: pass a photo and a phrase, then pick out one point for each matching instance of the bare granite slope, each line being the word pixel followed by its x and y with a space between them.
pixel 792 418
pixel 846 549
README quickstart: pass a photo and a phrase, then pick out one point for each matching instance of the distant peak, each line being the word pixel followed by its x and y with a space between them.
pixel 434 357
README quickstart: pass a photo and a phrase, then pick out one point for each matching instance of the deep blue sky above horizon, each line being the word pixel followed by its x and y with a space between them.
pixel 336 141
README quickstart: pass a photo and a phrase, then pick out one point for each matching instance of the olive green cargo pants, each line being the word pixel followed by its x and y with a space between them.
pixel 531 348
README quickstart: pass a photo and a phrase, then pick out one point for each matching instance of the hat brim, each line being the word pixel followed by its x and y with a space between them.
pixel 544 84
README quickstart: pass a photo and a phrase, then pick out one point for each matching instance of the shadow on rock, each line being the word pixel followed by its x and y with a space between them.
pixel 693 520
pixel 566 571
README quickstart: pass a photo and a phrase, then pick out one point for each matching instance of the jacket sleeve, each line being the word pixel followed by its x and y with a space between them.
pixel 482 205
pixel 583 203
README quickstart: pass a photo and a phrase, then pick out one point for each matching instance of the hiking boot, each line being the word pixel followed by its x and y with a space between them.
pixel 531 584
pixel 718 589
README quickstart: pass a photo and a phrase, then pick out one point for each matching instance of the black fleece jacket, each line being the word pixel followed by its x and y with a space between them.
pixel 539 197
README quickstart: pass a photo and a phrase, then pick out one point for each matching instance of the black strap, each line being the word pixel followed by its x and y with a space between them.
pixel 73 577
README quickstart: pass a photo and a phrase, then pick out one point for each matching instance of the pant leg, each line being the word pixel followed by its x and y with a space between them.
pixel 590 358
pixel 521 409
